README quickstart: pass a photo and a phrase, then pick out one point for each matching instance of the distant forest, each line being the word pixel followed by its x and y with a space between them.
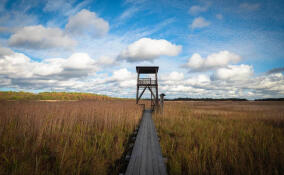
pixel 223 99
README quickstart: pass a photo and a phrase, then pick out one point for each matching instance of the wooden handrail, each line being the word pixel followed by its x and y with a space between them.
pixel 146 81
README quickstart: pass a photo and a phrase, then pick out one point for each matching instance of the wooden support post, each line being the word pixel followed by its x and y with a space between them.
pixel 157 97
pixel 137 92
pixel 142 93
pixel 151 92
pixel 151 99
pixel 162 102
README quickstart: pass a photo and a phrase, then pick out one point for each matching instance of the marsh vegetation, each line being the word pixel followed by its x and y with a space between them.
pixel 65 137
pixel 222 137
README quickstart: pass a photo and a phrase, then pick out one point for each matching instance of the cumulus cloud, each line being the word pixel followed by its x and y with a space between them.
pixel 39 37
pixel 86 22
pixel 106 61
pixel 215 60
pixel 230 82
pixel 196 9
pixel 19 66
pixel 268 84
pixel 5 51
pixel 124 78
pixel 79 61
pixel 79 72
pixel 234 72
pixel 173 76
pixel 199 22
pixel 199 80
pixel 147 49
pixel 122 74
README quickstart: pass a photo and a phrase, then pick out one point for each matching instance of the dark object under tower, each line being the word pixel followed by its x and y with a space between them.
pixel 148 83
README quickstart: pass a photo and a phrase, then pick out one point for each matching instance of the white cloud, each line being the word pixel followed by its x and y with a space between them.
pixel 199 80
pixel 106 60
pixel 272 82
pixel 173 76
pixel 196 9
pixel 5 51
pixel 124 78
pixel 147 49
pixel 15 65
pixel 86 22
pixel 79 72
pixel 199 22
pixel 19 66
pixel 122 74
pixel 229 82
pixel 196 62
pixel 215 60
pixel 39 37
pixel 176 76
pixel 234 72
pixel 250 6
pixel 79 61
pixel 219 16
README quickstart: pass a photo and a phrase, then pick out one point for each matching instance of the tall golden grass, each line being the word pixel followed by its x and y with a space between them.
pixel 11 95
pixel 222 137
pixel 79 137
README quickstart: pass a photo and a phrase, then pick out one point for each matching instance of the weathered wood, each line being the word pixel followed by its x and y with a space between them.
pixel 148 83
pixel 146 157
pixel 141 94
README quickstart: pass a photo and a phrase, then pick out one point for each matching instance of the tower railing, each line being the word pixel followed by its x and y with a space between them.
pixel 147 81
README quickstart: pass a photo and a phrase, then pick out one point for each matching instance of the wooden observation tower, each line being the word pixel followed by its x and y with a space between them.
pixel 148 83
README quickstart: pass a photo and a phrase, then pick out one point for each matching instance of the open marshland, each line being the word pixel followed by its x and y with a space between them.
pixel 222 137
pixel 73 133
pixel 69 137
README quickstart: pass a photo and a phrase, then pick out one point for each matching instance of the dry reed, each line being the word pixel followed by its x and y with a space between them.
pixel 79 137
pixel 222 137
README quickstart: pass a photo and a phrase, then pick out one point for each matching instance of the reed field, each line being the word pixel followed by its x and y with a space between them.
pixel 222 137
pixel 65 137
pixel 81 133
pixel 11 95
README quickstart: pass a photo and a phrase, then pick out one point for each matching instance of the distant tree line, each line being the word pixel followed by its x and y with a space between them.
pixel 207 99
pixel 223 99
pixel 270 99
pixel 11 95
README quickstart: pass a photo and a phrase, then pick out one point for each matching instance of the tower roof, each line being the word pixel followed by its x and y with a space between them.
pixel 147 69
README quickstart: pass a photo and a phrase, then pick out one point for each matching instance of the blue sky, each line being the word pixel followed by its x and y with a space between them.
pixel 217 48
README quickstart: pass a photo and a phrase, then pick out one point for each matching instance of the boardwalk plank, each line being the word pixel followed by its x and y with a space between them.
pixel 146 157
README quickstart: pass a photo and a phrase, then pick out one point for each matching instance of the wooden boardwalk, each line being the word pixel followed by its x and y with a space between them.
pixel 146 157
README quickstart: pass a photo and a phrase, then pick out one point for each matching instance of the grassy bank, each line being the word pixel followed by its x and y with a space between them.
pixel 79 137
pixel 11 95
pixel 222 137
